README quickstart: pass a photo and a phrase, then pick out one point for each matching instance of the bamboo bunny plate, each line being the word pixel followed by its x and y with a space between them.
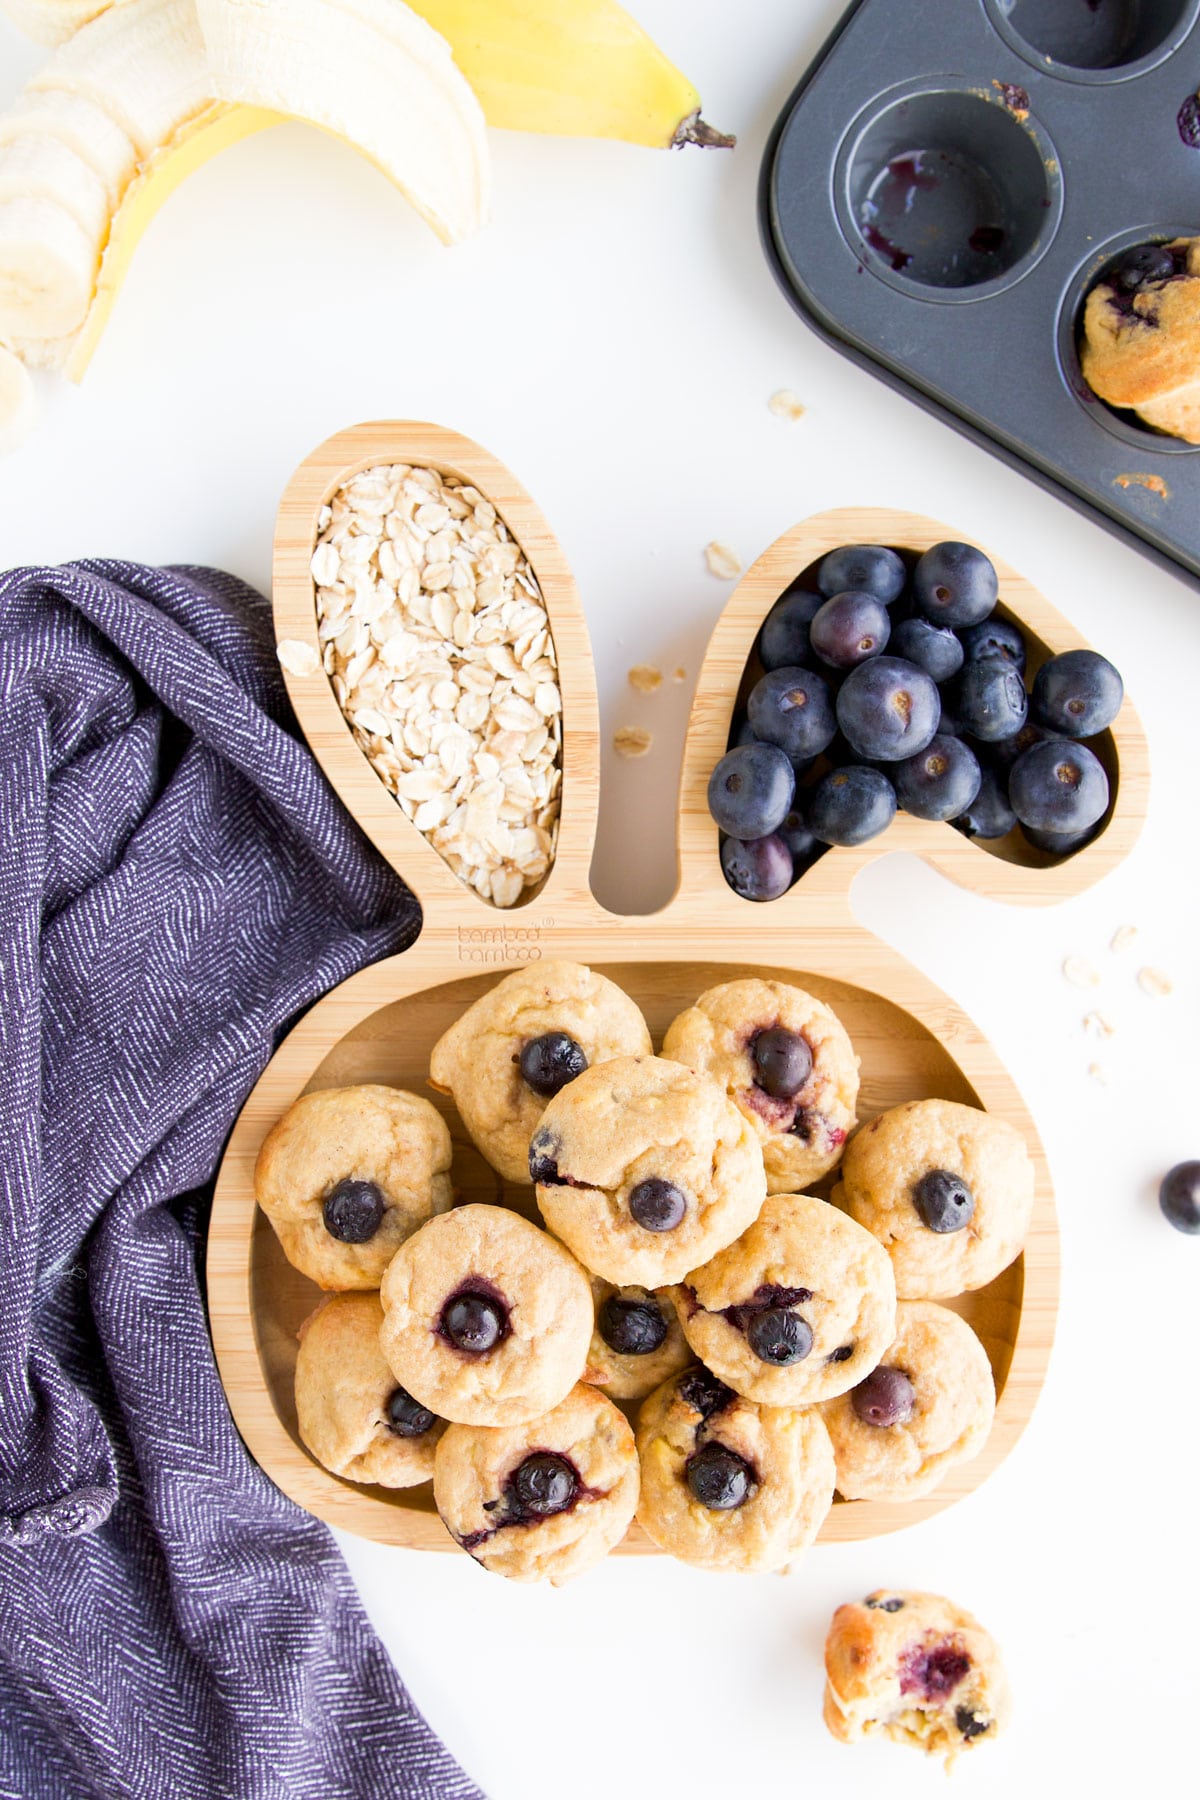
pixel 380 1025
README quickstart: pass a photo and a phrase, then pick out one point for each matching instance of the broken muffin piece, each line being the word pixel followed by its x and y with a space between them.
pixel 915 1668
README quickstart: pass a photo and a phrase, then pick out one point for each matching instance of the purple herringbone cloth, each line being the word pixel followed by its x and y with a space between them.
pixel 176 882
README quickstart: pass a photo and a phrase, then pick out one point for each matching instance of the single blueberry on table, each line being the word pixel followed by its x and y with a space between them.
pixel 1179 1197
pixel 1078 693
pixel 406 1417
pixel 750 791
pixel 989 815
pixel 719 1478
pixel 991 700
pixel 782 1061
pixel 544 1484
pixel 955 584
pixel 849 629
pixel 353 1211
pixel 632 1327
pixel 943 1200
pixel 549 1062
pixel 657 1205
pixel 866 568
pixel 888 709
pixel 940 782
pixel 779 1336
pixel 885 1398
pixel 760 869
pixel 792 709
pixel 995 637
pixel 851 805
pixel 934 648
pixel 784 639
pixel 1058 786
pixel 474 1322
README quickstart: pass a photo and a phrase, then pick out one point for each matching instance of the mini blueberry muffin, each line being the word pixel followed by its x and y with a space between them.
pixel 542 1501
pixel 786 1063
pixel 523 1041
pixel 487 1320
pixel 927 1406
pixel 727 1484
pixel 800 1308
pixel 947 1190
pixel 644 1168
pixel 915 1668
pixel 637 1341
pixel 347 1175
pixel 350 1413
pixel 1141 336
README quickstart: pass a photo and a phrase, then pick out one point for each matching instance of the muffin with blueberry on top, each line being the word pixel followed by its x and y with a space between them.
pixel 521 1043
pixel 637 1341
pixel 347 1175
pixel 350 1412
pixel 785 1061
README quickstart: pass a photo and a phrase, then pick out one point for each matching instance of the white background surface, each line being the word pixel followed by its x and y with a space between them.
pixel 614 337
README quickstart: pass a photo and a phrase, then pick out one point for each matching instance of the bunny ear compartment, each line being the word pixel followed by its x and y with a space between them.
pixel 436 654
pixel 768 700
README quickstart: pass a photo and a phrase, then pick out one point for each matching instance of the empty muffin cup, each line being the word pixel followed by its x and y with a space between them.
pixel 948 193
pixel 1093 40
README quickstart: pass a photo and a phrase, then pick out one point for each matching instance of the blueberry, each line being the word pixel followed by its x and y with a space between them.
pixel 941 782
pixel 1058 786
pixel 782 1061
pixel 888 709
pixel 544 1484
pixel 842 1354
pixel 750 790
pixel 791 709
pixel 867 568
pixel 657 1205
pixel 1179 1197
pixel 943 1200
pixel 969 1723
pixel 989 814
pixel 474 1322
pixel 406 1417
pixel 955 584
pixel 1141 266
pixel 700 1390
pixel 1058 843
pixel 1003 752
pixel 885 1398
pixel 991 700
pixel 1078 693
pixel 851 805
pixel 632 1327
pixel 890 1605
pixel 353 1211
pixel 801 843
pixel 934 648
pixel 719 1478
pixel 778 1336
pixel 544 1150
pixel 744 734
pixel 995 637
pixel 850 628
pixel 548 1062
pixel 783 640
pixel 759 870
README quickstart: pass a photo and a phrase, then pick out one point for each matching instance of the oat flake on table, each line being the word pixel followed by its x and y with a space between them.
pixel 438 646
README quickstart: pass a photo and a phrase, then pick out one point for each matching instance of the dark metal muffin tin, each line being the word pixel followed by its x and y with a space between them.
pixel 943 189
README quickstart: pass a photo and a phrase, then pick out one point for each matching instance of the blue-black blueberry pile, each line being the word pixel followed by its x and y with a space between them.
pixel 883 684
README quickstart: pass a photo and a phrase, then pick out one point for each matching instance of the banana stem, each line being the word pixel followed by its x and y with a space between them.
pixel 695 130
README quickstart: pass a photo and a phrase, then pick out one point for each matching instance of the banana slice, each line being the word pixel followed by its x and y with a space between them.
pixel 371 72
pixel 83 127
pixel 18 402
pixel 47 270
pixel 41 168
pixel 51 21
pixel 142 61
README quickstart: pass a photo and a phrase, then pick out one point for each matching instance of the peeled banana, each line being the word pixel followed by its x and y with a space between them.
pixel 51 21
pixel 375 74
pixel 18 404
pixel 577 68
